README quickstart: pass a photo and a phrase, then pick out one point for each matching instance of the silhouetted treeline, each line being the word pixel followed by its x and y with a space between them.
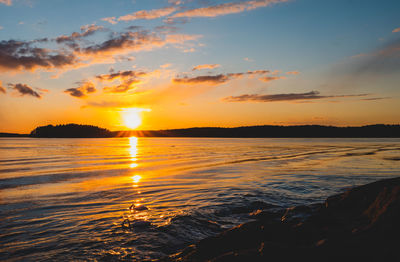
pixel 274 131
pixel 71 131
pixel 12 135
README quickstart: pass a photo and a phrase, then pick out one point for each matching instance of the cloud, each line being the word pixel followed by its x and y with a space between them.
pixel 86 30
pixel 122 75
pixel 226 8
pixel 128 80
pixel 216 79
pixel 126 86
pixel 1 28
pixel 313 95
pixel 32 55
pixel 385 60
pixel 396 30
pixel 20 55
pixel 6 2
pixel 84 88
pixel 148 14
pixel 205 66
pixel 293 73
pixel 111 20
pixel 248 59
pixel 24 89
pixel 127 42
pixel 271 78
pixel 2 89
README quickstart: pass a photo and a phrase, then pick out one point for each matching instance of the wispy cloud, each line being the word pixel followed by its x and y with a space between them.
pixel 226 8
pixel 2 89
pixel 293 73
pixel 82 90
pixel 385 60
pixel 24 89
pixel 205 66
pixel 216 79
pixel 313 95
pixel 396 30
pixel 111 20
pixel 213 79
pixel 148 14
pixel 6 2
pixel 271 78
pixel 128 80
pixel 86 30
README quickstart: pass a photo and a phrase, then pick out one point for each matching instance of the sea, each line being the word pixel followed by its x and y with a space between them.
pixel 140 199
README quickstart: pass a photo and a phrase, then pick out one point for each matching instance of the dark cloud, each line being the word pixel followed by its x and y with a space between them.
pixel 216 79
pixel 81 91
pixel 126 42
pixel 86 31
pixel 24 89
pixel 121 75
pixel 128 80
pixel 284 97
pixel 19 55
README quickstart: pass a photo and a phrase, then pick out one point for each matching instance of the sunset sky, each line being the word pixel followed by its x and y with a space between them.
pixel 195 63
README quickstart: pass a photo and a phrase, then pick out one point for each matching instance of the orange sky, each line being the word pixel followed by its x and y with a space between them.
pixel 179 64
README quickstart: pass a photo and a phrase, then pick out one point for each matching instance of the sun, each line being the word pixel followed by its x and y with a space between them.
pixel 132 117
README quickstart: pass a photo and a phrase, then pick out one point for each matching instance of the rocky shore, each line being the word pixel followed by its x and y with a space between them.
pixel 361 224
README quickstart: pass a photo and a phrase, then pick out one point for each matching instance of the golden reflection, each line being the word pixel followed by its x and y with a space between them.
pixel 136 179
pixel 133 142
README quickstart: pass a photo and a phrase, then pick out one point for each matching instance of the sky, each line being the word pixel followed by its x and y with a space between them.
pixel 198 63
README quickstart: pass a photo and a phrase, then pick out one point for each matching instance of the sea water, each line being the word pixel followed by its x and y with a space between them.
pixel 67 199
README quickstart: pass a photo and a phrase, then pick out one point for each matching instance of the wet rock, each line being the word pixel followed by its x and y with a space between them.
pixel 362 224
pixel 137 207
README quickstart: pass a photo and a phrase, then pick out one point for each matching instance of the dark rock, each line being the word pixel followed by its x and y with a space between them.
pixel 362 224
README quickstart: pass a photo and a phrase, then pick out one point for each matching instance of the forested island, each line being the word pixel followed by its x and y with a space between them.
pixel 266 131
pixel 71 131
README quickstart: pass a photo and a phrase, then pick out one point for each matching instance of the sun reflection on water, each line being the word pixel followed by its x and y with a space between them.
pixel 133 142
pixel 136 179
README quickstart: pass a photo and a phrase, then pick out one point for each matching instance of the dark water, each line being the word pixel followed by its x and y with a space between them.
pixel 65 199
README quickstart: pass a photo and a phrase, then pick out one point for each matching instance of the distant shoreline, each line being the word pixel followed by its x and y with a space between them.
pixel 266 131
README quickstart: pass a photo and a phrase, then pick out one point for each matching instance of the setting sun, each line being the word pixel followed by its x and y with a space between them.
pixel 132 118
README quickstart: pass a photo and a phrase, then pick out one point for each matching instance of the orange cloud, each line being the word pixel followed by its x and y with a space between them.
pixel 205 66
pixel 148 14
pixel 225 9
pixel 6 2
pixel 396 30
pixel 128 80
pixel 2 89
pixel 271 78
pixel 111 20
pixel 293 73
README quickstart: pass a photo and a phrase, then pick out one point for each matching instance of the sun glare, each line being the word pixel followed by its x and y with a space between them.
pixel 132 118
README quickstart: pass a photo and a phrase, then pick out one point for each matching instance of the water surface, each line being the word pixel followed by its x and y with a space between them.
pixel 67 198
